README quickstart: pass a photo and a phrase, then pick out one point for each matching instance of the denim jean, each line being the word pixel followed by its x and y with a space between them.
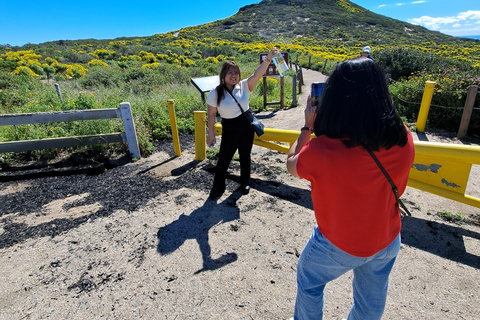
pixel 321 262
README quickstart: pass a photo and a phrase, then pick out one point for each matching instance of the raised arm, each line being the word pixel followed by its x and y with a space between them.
pixel 255 77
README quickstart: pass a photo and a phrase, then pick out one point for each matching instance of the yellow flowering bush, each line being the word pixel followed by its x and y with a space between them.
pixel 76 70
pixel 147 56
pixel 26 71
pixel 50 61
pixel 152 66
pixel 134 58
pixel 188 63
pixel 211 60
pixel 97 62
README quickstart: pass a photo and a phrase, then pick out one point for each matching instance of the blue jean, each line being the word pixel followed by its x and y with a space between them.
pixel 321 262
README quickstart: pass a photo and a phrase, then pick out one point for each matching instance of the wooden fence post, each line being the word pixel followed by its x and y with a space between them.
pixel 467 111
pixel 294 90
pixel 264 92
pixel 58 92
pixel 300 80
pixel 127 118
pixel 324 65
pixel 282 94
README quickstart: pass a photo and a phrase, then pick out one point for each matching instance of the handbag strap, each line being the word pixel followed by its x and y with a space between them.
pixel 241 109
pixel 394 187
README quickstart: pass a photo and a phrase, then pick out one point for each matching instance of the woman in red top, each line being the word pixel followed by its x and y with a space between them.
pixel 358 218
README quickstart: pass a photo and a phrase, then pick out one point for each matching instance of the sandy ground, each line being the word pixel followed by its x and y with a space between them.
pixel 141 241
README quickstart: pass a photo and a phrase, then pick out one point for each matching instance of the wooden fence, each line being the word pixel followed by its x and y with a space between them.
pixel 124 111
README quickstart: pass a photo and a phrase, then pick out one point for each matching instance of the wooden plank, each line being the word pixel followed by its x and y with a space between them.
pixel 467 111
pixel 77 141
pixel 60 116
pixel 129 126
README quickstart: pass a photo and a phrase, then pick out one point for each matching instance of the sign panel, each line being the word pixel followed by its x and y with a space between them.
pixel 272 70
pixel 205 84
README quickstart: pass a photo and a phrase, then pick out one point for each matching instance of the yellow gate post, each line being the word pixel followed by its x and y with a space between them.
pixel 425 106
pixel 173 124
pixel 200 135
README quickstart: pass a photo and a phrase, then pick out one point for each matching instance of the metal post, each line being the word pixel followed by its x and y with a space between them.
pixel 425 106
pixel 173 125
pixel 200 135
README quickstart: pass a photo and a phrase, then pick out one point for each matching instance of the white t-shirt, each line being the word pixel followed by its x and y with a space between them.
pixel 228 108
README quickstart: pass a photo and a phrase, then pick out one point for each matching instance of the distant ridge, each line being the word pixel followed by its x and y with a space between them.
pixel 470 37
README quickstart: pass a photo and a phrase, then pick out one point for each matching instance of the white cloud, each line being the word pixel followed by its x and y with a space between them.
pixel 433 23
pixel 382 5
pixel 399 4
pixel 464 23
pixel 417 2
pixel 470 14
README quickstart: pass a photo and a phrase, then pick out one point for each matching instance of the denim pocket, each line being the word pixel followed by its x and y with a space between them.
pixel 345 259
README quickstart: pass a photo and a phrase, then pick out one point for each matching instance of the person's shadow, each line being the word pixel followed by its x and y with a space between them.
pixel 196 226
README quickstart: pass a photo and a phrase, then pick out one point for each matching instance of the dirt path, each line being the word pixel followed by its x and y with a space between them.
pixel 140 241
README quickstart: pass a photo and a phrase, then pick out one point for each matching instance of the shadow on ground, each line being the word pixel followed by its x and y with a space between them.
pixel 196 226
pixel 441 239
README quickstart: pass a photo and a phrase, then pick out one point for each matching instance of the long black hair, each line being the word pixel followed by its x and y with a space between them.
pixel 223 73
pixel 357 107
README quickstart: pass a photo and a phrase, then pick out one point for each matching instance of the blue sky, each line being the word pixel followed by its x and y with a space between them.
pixel 452 17
pixel 41 21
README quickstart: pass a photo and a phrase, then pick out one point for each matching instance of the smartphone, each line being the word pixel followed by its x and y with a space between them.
pixel 315 92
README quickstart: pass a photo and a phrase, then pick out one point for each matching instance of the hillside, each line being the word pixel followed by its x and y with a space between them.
pixel 286 21
pixel 319 19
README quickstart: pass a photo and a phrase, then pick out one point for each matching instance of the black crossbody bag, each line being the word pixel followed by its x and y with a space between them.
pixel 256 124
pixel 394 187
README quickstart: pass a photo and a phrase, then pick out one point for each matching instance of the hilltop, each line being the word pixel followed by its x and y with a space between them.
pixel 321 19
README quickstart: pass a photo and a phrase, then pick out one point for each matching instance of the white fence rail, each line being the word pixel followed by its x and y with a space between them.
pixel 124 111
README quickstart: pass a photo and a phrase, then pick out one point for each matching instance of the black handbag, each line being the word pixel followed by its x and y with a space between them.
pixel 394 187
pixel 258 127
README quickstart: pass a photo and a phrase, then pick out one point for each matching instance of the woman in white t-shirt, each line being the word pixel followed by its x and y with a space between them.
pixel 237 131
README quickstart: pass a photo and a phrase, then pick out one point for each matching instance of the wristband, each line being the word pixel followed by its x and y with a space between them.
pixel 306 129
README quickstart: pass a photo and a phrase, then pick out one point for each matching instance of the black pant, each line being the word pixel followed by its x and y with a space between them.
pixel 238 134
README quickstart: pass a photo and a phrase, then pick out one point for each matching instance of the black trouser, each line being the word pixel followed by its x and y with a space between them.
pixel 238 134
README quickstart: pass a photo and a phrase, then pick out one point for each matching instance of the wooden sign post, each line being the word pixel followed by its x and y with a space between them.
pixel 272 71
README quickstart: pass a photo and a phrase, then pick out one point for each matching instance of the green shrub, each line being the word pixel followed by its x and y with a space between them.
pixel 448 100
pixel 401 63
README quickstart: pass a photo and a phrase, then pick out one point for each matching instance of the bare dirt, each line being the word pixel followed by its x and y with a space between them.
pixel 140 240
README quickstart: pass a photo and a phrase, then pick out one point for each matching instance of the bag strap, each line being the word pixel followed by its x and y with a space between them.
pixel 241 109
pixel 394 187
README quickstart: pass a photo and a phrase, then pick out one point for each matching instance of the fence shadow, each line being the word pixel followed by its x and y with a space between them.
pixel 441 239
